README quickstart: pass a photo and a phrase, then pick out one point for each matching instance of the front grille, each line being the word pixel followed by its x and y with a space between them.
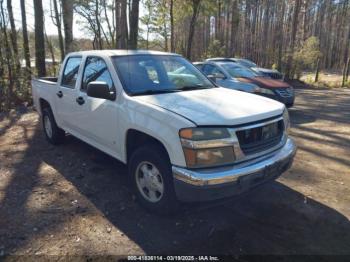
pixel 287 92
pixel 258 139
pixel 275 75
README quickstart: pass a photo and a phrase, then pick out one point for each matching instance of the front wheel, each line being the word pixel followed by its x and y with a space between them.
pixel 150 171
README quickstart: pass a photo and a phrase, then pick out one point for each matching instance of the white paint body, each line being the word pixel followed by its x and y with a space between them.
pixel 104 124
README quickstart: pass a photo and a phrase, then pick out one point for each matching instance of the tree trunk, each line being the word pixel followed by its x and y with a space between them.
pixel 165 35
pixel 67 10
pixel 9 95
pixel 2 71
pixel 50 47
pixel 117 24
pixel 98 25
pixel 58 23
pixel 280 37
pixel 317 70
pixel 293 37
pixel 28 72
pixel 172 40
pixel 195 10
pixel 219 35
pixel 39 38
pixel 110 31
pixel 13 36
pixel 264 48
pixel 134 24
pixel 345 72
pixel 234 23
pixel 122 38
pixel 227 29
pixel 25 36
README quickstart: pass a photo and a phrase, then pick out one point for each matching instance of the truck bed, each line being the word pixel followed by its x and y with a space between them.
pixel 50 79
pixel 44 88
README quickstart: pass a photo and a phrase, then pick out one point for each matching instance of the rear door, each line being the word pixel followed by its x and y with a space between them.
pixel 95 118
pixel 67 91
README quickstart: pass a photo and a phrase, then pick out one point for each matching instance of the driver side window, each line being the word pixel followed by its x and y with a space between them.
pixel 211 70
pixel 96 70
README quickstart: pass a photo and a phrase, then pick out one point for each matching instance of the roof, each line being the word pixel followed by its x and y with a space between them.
pixel 225 62
pixel 221 59
pixel 120 52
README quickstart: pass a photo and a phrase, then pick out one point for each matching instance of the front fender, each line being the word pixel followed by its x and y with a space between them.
pixel 156 122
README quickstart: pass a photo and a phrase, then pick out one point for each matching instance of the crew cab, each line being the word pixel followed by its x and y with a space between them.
pixel 183 138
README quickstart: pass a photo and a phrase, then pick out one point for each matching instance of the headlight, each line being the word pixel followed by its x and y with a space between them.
pixel 196 158
pixel 286 120
pixel 207 147
pixel 263 91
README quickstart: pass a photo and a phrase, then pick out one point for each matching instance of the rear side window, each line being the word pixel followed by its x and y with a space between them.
pixel 96 70
pixel 70 73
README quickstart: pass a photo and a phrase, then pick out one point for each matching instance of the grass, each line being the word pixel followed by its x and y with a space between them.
pixel 325 80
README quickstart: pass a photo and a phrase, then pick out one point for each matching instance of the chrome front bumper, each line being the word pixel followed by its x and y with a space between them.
pixel 214 183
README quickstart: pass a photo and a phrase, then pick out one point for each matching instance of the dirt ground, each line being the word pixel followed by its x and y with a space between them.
pixel 75 200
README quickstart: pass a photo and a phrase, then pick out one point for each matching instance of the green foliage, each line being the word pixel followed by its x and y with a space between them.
pixel 216 49
pixel 156 23
pixel 306 57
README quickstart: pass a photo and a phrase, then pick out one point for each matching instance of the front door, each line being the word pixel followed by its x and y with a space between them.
pixel 96 118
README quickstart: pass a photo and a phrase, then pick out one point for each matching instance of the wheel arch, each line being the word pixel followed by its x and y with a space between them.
pixel 44 104
pixel 136 138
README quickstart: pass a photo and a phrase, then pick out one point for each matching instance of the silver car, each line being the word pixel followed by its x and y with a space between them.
pixel 218 74
pixel 273 73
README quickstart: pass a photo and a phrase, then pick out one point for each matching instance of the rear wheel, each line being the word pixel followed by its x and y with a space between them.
pixel 150 171
pixel 53 133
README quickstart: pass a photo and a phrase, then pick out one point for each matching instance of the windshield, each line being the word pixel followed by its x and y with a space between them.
pixel 247 63
pixel 238 71
pixel 150 74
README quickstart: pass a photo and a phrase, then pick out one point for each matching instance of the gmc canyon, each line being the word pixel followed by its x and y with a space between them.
pixel 183 137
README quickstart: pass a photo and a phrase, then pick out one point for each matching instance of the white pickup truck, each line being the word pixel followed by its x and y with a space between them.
pixel 182 137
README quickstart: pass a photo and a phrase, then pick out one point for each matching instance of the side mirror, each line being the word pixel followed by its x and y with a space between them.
pixel 216 76
pixel 100 90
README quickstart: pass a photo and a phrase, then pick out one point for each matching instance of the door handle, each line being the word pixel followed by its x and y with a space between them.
pixel 59 94
pixel 80 100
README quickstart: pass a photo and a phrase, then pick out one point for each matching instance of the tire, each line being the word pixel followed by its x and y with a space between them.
pixel 147 157
pixel 53 133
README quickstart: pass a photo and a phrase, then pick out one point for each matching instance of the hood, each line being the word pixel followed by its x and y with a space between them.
pixel 265 70
pixel 217 106
pixel 265 82
pixel 236 85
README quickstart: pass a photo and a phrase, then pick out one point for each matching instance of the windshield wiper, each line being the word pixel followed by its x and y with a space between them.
pixel 163 91
pixel 194 87
pixel 154 92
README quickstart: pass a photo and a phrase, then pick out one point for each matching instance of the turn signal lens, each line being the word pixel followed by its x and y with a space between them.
pixel 286 120
pixel 186 133
pixel 204 133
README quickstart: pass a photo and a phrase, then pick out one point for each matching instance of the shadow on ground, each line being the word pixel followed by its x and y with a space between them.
pixel 272 219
